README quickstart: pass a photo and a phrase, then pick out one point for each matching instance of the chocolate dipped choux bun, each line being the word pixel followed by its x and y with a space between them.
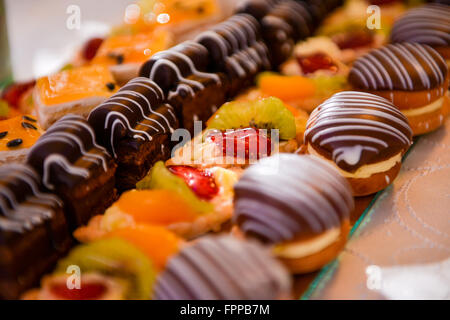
pixel 299 205
pixel 363 135
pixel 412 76
pixel 428 24
pixel 223 268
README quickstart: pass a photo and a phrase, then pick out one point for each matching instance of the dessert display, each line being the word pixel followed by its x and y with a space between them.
pixel 211 149
pixel 363 135
pixel 198 273
pixel 28 214
pixel 305 220
pixel 428 24
pixel 134 125
pixel 73 166
pixel 414 77
pixel 17 136
pixel 75 91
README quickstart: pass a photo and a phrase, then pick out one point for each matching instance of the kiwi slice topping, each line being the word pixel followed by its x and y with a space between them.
pixel 269 113
pixel 160 177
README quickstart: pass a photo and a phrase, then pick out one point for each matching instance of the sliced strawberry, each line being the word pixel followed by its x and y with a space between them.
pixel 200 181
pixel 317 61
pixel 353 39
pixel 88 291
pixel 248 143
pixel 91 47
pixel 14 92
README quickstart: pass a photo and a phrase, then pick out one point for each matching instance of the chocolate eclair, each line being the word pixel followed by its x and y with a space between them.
pixel 304 217
pixel 428 24
pixel 77 169
pixel 181 72
pixel 135 126
pixel 236 49
pixel 412 76
pixel 223 268
pixel 363 135
pixel 284 25
pixel 33 230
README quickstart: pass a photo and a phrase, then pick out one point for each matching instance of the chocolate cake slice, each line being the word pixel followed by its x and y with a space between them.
pixel 135 126
pixel 76 168
pixel 236 49
pixel 33 230
pixel 182 74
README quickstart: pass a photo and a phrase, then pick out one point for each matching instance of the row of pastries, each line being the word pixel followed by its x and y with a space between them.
pixel 294 108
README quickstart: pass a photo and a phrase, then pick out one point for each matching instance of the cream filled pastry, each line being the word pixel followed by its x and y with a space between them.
pixel 364 136
pixel 223 268
pixel 412 76
pixel 429 24
pixel 305 213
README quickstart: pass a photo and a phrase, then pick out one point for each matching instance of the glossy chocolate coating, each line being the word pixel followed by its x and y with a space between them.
pixel 402 66
pixel 137 111
pixel 429 24
pixel 223 268
pixel 33 230
pixel 67 153
pixel 289 196
pixel 356 128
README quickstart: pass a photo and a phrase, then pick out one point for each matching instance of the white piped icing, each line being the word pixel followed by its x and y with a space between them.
pixel 302 195
pixel 67 141
pixel 429 24
pixel 402 66
pixel 213 268
pixel 19 180
pixel 357 128
pixel 138 109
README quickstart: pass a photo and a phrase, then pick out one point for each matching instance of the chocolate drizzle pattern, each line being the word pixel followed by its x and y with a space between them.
pixel 429 24
pixel 69 144
pixel 213 268
pixel 236 43
pixel 403 66
pixel 23 204
pixel 356 128
pixel 303 195
pixel 136 111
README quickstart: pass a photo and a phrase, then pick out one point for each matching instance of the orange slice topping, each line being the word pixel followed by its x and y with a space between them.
pixel 158 243
pixel 157 207
pixel 75 84
pixel 135 48
pixel 19 133
pixel 287 88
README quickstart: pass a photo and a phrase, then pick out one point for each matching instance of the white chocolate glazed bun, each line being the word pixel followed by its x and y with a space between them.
pixel 223 268
pixel 363 135
pixel 300 205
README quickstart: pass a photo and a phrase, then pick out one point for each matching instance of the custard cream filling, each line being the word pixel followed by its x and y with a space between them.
pixel 366 171
pixel 426 109
pixel 308 247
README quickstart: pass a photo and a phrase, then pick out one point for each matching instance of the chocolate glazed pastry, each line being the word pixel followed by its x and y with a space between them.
pixel 305 213
pixel 135 126
pixel 284 25
pixel 429 24
pixel 33 230
pixel 412 76
pixel 363 135
pixel 76 168
pixel 236 49
pixel 181 73
pixel 213 268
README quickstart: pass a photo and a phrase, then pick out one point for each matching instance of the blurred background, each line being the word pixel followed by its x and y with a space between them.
pixel 40 41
